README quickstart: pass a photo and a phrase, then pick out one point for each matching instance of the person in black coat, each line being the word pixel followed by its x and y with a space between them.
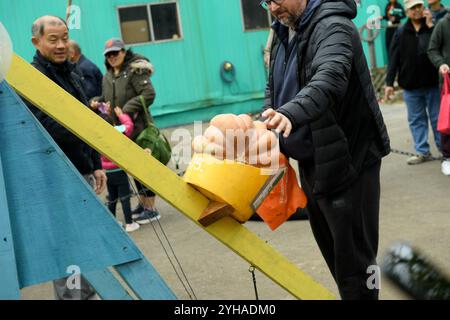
pixel 417 77
pixel 91 75
pixel 51 39
pixel 393 14
pixel 321 100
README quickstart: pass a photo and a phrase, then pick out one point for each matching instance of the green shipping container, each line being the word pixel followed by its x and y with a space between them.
pixel 188 41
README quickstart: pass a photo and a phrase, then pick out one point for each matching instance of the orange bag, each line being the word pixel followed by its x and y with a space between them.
pixel 284 199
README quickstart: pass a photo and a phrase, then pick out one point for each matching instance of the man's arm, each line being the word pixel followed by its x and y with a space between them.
pixel 60 134
pixel 435 46
pixel 331 68
pixel 394 58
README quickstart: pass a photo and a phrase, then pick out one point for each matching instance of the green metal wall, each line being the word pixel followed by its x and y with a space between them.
pixel 187 78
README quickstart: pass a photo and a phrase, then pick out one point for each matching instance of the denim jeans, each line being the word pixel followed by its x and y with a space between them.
pixel 423 106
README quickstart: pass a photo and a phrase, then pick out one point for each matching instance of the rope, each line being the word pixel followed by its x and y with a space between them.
pixel 135 193
pixel 252 271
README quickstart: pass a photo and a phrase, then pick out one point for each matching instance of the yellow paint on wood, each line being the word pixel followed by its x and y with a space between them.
pixel 84 123
pixel 243 182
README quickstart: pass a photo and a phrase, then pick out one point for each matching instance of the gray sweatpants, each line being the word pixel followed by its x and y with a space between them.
pixel 84 290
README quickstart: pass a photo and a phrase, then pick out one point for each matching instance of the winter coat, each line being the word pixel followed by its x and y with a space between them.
pixel 92 77
pixel 439 48
pixel 408 57
pixel 129 126
pixel 125 90
pixel 336 98
pixel 83 157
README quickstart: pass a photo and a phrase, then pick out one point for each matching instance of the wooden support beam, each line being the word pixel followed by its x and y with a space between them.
pixel 84 123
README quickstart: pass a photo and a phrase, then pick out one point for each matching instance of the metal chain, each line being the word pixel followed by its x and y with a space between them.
pixel 412 154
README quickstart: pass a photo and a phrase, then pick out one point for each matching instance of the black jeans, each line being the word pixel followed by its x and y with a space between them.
pixel 345 226
pixel 445 145
pixel 119 188
pixel 142 190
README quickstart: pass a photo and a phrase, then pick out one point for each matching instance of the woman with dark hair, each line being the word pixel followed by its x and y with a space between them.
pixel 393 14
pixel 126 80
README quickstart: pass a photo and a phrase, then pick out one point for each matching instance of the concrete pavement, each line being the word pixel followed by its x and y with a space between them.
pixel 415 207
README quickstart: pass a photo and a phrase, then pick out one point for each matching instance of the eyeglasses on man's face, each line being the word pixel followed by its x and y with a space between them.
pixel 266 3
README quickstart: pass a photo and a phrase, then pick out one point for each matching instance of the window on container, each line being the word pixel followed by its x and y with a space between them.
pixel 134 24
pixel 255 17
pixel 165 21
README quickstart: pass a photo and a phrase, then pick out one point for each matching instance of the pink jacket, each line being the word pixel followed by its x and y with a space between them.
pixel 129 127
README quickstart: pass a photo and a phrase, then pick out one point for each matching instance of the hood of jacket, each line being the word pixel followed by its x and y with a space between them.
pixel 139 64
pixel 317 10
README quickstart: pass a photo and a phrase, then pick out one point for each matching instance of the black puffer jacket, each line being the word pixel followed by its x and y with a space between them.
pixel 336 98
pixel 83 157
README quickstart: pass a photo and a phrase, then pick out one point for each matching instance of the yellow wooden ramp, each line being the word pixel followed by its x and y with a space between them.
pixel 84 123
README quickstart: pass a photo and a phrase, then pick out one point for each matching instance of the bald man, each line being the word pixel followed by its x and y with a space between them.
pixel 92 76
pixel 50 37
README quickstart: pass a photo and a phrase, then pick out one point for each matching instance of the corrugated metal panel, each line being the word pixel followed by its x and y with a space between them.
pixel 187 73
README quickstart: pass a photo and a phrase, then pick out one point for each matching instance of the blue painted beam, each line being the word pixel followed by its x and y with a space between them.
pixel 9 281
pixel 106 285
pixel 145 281
pixel 57 220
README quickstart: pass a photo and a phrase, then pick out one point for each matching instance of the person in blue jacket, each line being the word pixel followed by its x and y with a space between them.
pixel 91 75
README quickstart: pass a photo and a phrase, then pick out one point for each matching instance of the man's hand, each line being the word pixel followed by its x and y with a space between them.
pixel 428 18
pixel 100 181
pixel 444 69
pixel 278 121
pixel 388 92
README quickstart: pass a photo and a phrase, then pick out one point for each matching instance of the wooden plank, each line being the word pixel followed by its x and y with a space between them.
pixel 106 285
pixel 108 141
pixel 9 281
pixel 214 212
pixel 145 282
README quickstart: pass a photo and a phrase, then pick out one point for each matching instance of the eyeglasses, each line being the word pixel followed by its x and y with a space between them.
pixel 112 54
pixel 266 3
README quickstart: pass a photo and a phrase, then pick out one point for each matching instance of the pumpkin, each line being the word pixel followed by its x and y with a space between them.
pixel 259 125
pixel 263 141
pixel 215 135
pixel 227 122
pixel 247 120
pixel 199 144
pixel 238 138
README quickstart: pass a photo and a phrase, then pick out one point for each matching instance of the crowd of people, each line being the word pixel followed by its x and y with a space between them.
pixel 319 97
pixel 419 58
pixel 119 97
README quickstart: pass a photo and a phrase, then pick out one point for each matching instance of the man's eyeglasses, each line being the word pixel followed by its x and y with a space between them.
pixel 112 54
pixel 266 3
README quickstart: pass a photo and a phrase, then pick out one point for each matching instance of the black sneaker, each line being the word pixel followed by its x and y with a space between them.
pixel 136 213
pixel 147 216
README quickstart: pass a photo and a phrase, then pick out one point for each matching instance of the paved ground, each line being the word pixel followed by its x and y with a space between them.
pixel 415 207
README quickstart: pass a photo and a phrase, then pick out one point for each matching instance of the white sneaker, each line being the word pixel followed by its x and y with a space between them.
pixel 445 167
pixel 420 158
pixel 132 227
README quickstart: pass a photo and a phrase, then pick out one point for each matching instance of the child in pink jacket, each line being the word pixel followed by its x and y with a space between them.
pixel 118 184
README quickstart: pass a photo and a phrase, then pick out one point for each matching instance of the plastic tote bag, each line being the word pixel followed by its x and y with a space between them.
pixel 444 112
pixel 284 199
